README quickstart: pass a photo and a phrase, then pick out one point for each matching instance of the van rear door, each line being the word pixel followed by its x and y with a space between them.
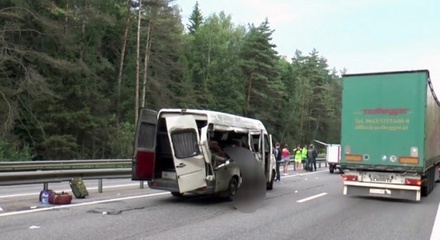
pixel 145 146
pixel 188 159
pixel 333 153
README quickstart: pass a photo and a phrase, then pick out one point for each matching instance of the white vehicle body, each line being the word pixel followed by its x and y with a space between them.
pixel 333 157
pixel 172 150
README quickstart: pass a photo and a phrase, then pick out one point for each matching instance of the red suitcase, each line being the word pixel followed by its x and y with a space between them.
pixel 60 198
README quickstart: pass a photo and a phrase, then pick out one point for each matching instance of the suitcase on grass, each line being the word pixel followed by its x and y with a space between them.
pixel 78 188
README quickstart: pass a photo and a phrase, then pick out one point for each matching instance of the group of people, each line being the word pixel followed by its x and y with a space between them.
pixel 304 158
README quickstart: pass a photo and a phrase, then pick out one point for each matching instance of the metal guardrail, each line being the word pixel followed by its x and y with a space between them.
pixel 30 177
pixel 30 172
pixel 319 161
pixel 64 164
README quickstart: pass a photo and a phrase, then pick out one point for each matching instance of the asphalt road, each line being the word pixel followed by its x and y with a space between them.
pixel 304 206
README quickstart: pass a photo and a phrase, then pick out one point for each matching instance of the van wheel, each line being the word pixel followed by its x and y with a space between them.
pixel 177 194
pixel 331 168
pixel 232 189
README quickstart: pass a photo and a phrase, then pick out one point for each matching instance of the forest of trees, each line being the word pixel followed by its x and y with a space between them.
pixel 73 74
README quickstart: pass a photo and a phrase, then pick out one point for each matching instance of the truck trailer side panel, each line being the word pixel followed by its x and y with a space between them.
pixel 432 143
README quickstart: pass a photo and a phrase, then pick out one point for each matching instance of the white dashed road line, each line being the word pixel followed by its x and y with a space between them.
pixel 310 198
pixel 302 174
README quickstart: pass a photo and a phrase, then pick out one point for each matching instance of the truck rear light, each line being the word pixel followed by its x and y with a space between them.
pixel 414 152
pixel 409 160
pixel 353 157
pixel 350 178
pixel 415 182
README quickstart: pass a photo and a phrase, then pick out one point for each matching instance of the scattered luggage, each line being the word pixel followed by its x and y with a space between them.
pixel 78 188
pixel 60 198
pixel 44 196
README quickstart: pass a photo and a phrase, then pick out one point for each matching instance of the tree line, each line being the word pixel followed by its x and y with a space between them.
pixel 73 74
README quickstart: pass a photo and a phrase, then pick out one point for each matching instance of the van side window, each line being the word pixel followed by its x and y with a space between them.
pixel 146 135
pixel 255 142
pixel 266 143
pixel 185 143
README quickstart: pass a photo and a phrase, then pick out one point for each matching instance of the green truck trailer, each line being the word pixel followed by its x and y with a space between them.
pixel 390 134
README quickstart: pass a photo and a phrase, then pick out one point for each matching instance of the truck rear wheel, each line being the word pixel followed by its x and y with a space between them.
pixel 428 185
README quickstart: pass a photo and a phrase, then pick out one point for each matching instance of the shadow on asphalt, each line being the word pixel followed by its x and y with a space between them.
pixel 196 200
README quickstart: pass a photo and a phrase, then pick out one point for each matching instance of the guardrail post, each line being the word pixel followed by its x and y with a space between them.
pixel 142 185
pixel 45 186
pixel 100 185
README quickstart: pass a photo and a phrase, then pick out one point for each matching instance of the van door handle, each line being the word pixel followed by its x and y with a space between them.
pixel 181 165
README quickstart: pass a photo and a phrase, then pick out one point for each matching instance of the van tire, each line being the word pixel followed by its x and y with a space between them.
pixel 331 168
pixel 177 194
pixel 232 188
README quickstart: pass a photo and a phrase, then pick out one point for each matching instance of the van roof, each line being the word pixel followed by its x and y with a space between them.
pixel 220 118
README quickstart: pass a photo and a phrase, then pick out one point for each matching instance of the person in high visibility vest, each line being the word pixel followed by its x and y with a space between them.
pixel 298 157
pixel 304 156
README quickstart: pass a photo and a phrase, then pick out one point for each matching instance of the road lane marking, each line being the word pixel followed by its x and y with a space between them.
pixel 435 234
pixel 310 198
pixel 136 184
pixel 303 174
pixel 81 204
pixel 68 190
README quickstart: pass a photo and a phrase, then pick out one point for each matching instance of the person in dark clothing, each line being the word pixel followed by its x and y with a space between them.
pixel 312 154
pixel 278 159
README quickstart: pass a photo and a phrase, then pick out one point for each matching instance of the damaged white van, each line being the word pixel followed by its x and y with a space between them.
pixel 180 150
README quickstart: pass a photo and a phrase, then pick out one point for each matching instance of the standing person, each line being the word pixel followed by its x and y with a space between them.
pixel 278 159
pixel 298 156
pixel 304 157
pixel 315 155
pixel 312 154
pixel 286 158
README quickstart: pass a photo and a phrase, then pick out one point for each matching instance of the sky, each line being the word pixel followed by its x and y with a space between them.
pixel 358 35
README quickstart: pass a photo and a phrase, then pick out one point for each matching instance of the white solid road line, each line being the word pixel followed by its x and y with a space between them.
pixel 137 184
pixel 80 204
pixel 310 198
pixel 67 190
pixel 435 234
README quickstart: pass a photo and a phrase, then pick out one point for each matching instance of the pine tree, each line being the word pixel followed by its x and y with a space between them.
pixel 196 19
pixel 259 68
